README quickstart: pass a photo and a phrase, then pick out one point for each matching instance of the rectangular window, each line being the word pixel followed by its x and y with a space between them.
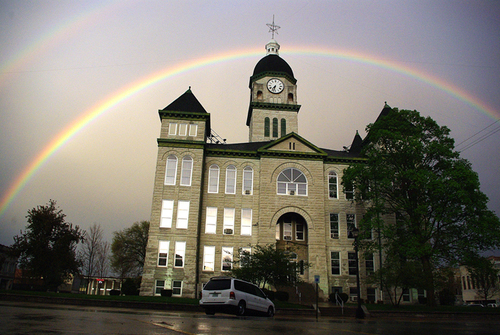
pixel 335 262
pixel 193 130
pixel 172 128
pixel 246 221
pixel 245 254
pixel 213 179
pixel 332 185
pixel 349 193
pixel 211 221
pixel 299 232
pixel 182 214
pixel 183 129
pixel 176 287
pixel 247 180
pixel 334 225
pixel 186 171
pixel 231 179
pixel 371 294
pixel 287 231
pixel 227 258
pixel 228 226
pixel 180 252
pixel 167 211
pixel 278 232
pixel 406 294
pixel 369 264
pixel 353 269
pixel 159 285
pixel 351 224
pixel 163 253
pixel 208 258
pixel 353 293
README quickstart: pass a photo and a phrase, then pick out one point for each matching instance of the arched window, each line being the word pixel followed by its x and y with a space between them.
pixel 186 171
pixel 171 170
pixel 213 179
pixel 247 180
pixel 283 127
pixel 231 179
pixel 292 181
pixel 332 185
pixel 290 98
pixel 259 95
pixel 267 127
pixel 275 127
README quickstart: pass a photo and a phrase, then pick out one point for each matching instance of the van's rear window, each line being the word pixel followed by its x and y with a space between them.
pixel 220 284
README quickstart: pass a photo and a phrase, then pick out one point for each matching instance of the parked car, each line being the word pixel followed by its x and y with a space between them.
pixel 234 296
pixel 475 305
pixel 492 304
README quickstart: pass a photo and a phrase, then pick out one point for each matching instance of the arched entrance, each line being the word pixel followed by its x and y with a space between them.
pixel 292 235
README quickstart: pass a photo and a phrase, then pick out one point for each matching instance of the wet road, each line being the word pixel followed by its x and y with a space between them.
pixel 28 318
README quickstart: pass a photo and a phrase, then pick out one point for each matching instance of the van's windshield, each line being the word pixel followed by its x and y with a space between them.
pixel 218 284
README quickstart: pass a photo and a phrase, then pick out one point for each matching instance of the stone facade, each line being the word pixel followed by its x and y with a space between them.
pixel 211 200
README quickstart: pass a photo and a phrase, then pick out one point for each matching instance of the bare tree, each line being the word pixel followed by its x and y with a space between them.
pixel 92 252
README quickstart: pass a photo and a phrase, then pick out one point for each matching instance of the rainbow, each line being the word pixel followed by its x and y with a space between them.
pixel 90 115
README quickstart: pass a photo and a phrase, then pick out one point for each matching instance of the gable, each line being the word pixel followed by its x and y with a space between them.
pixel 293 142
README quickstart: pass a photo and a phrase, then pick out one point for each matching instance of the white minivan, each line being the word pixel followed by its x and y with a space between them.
pixel 231 295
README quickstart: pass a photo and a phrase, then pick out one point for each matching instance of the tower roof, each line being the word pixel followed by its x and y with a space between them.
pixel 272 63
pixel 186 103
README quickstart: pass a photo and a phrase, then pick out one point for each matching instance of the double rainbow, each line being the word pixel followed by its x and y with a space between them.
pixel 125 92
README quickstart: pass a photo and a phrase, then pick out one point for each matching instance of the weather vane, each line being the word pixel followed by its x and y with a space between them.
pixel 273 28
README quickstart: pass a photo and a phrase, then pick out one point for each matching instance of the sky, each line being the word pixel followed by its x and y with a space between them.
pixel 81 83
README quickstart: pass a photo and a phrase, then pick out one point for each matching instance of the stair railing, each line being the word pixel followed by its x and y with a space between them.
pixel 339 301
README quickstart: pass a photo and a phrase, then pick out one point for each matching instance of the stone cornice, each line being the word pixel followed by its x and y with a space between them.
pixel 268 105
pixel 183 115
pixel 163 142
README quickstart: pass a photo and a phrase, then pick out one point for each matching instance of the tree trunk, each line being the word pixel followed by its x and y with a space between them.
pixel 428 280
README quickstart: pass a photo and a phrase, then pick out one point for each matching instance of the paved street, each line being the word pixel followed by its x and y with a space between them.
pixel 29 318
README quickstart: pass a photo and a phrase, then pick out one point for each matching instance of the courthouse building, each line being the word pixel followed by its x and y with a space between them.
pixel 213 200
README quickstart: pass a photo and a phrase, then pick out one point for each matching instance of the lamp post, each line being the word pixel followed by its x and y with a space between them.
pixel 355 234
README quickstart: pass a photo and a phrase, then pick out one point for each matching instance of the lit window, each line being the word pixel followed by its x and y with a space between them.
pixel 167 210
pixel 278 232
pixel 335 262
pixel 228 224
pixel 211 221
pixel 246 221
pixel 208 258
pixel 187 171
pixel 171 170
pixel 180 251
pixel 332 185
pixel 292 181
pixel 247 180
pixel 177 287
pixel 163 253
pixel 231 179
pixel 213 179
pixel 227 258
pixel 172 129
pixel 182 214
pixel 334 225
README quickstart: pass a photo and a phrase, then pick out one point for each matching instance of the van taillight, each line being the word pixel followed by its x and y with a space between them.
pixel 232 296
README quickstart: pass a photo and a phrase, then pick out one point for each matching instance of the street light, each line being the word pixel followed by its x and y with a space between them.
pixel 354 233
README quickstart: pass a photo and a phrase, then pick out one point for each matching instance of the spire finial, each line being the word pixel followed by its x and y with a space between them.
pixel 273 28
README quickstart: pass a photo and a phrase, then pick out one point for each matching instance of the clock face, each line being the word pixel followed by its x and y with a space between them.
pixel 275 85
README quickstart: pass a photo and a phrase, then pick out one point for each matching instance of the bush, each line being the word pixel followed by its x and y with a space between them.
pixel 131 286
pixel 281 295
pixel 270 294
pixel 342 296
pixel 114 292
pixel 446 297
pixel 166 293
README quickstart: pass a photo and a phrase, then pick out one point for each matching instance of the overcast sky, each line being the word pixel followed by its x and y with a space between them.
pixel 60 60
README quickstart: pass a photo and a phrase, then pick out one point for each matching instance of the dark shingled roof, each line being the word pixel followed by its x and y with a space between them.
pixel 272 63
pixel 186 103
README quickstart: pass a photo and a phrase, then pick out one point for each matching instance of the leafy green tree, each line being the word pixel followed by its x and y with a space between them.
pixel 47 248
pixel 485 276
pixel 268 265
pixel 128 250
pixel 413 174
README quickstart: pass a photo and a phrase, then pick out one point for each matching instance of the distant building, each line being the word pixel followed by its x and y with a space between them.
pixel 213 200
pixel 470 289
pixel 8 266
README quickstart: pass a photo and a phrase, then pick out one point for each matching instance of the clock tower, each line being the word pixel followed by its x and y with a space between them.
pixel 273 110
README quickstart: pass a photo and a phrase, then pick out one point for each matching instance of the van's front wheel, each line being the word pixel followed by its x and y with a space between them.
pixel 241 308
